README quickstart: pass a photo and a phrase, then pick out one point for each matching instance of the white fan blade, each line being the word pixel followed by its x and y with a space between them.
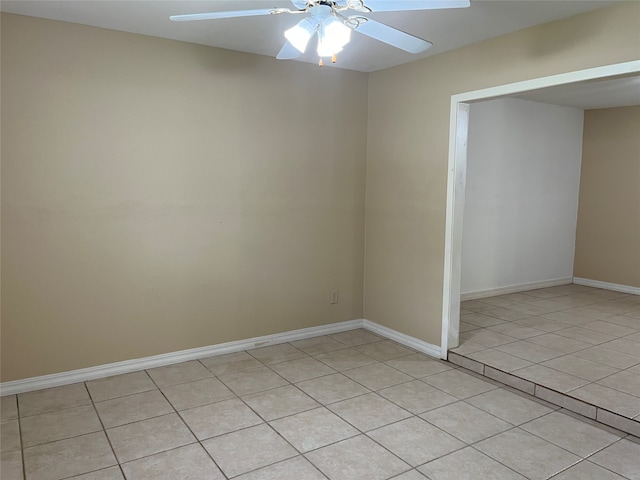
pixel 399 5
pixel 288 51
pixel 393 36
pixel 216 15
pixel 299 4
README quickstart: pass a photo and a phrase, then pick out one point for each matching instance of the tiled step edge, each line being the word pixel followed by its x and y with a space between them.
pixel 563 400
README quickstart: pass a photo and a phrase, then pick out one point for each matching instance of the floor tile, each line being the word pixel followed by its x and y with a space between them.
pixel 318 345
pixel 185 463
pixel 529 351
pixel 467 464
pixel 345 359
pixel 466 327
pixel 560 381
pixel 538 308
pixel 410 475
pixel 65 458
pixel 358 458
pixel 230 363
pixel 297 468
pixel 132 408
pixel 249 449
pixel 527 454
pixel 506 314
pixel 280 402
pixel 52 399
pixel 516 330
pixel 465 422
pixel 624 381
pixel 558 342
pixel 589 313
pixel 621 458
pixel 415 441
pixel 587 471
pixel 631 320
pixel 356 337
pixel 8 408
pixel 542 324
pixel 120 385
pixel 509 406
pixel 140 439
pixel 487 337
pixel 621 345
pixel 67 423
pixel 500 360
pixel 11 465
pixel 252 381
pixel 498 301
pixel 9 436
pixel 219 418
pixel 459 384
pixel 475 305
pixel 569 317
pixel 418 365
pixel 417 397
pixel 179 373
pixel 574 435
pixel 369 411
pixel 384 350
pixel 608 357
pixel 377 376
pixel 198 393
pixel 481 320
pixel 635 370
pixel 586 335
pixel 580 367
pixel 469 347
pixel 634 337
pixel 608 398
pixel 110 473
pixel 276 353
pixel 332 388
pixel 302 369
pixel 313 429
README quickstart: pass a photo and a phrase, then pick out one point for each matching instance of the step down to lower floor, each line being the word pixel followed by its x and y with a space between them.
pixel 564 400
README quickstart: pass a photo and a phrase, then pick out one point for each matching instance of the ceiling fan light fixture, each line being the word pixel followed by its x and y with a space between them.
pixel 300 34
pixel 333 35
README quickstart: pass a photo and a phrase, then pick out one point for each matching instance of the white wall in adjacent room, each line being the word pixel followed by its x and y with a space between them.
pixel 521 199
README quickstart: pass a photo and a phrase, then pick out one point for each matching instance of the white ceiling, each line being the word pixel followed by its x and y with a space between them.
pixel 618 92
pixel 447 29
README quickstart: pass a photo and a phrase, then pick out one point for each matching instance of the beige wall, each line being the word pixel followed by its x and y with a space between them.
pixel 608 233
pixel 408 145
pixel 160 196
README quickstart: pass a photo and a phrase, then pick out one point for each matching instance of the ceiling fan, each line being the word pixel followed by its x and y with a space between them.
pixel 333 20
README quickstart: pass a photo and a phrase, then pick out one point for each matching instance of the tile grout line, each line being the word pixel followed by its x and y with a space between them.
pixel 177 413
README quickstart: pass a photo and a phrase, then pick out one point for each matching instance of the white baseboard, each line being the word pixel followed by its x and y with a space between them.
pixel 406 340
pixel 100 371
pixel 616 287
pixel 522 287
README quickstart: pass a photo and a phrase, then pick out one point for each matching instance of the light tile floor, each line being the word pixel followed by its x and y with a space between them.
pixel 579 341
pixel 346 406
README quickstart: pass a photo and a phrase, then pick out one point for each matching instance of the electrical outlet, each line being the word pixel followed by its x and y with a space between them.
pixel 333 298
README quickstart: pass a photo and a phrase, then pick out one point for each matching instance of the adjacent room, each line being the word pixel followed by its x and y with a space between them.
pixel 552 177
pixel 221 264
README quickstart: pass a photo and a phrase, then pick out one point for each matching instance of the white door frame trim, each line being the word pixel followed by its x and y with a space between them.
pixel 456 176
